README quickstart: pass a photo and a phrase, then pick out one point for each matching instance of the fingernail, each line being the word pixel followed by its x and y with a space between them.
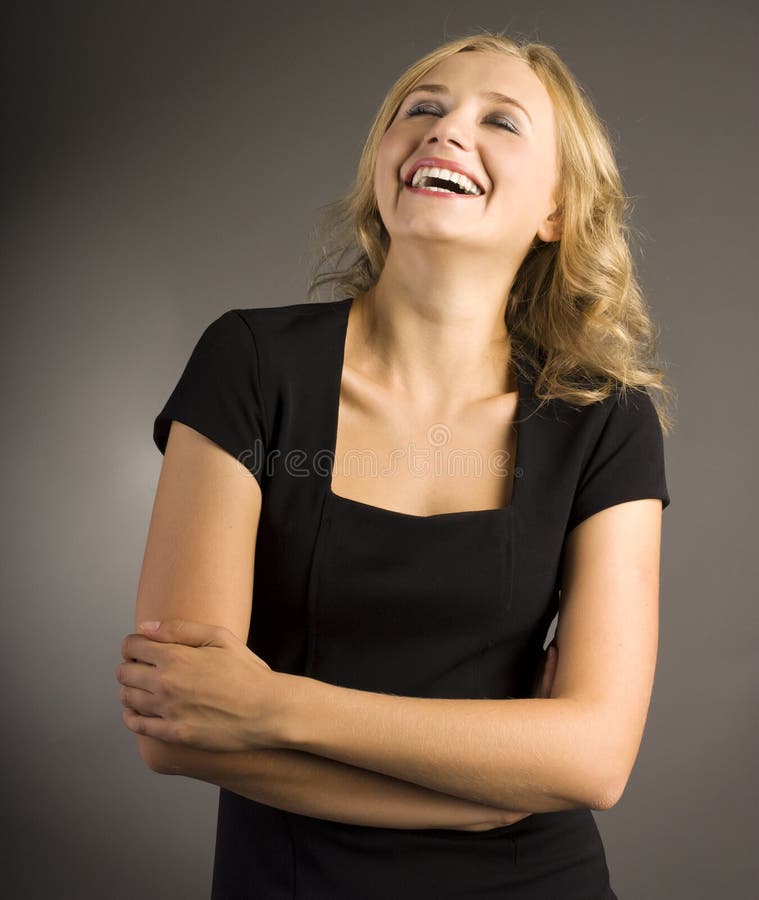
pixel 149 626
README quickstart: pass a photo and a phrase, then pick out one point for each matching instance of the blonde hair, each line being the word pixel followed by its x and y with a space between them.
pixel 576 315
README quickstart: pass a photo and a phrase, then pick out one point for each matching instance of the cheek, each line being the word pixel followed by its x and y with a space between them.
pixel 538 174
pixel 387 171
pixel 380 170
pixel 393 150
pixel 520 178
pixel 387 154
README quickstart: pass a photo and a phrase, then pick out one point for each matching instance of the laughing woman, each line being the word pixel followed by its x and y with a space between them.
pixel 381 715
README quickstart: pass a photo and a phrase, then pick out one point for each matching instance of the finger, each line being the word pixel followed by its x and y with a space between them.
pixel 545 680
pixel 539 682
pixel 549 673
pixel 152 726
pixel 138 675
pixel 191 634
pixel 139 648
pixel 142 702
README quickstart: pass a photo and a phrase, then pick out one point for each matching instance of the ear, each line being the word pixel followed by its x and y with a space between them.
pixel 550 228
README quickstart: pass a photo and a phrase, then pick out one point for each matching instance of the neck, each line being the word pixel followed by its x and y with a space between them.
pixel 431 334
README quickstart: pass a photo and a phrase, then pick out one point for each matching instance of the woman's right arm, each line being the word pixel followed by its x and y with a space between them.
pixel 198 566
pixel 324 788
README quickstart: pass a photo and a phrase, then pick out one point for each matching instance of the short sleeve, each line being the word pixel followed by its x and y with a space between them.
pixel 219 393
pixel 627 461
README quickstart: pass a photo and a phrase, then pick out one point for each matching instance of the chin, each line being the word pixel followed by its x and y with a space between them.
pixel 430 240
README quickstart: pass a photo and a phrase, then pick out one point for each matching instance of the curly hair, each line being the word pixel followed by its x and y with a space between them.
pixel 576 316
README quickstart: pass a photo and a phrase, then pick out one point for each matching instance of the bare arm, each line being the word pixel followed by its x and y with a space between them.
pixel 574 749
pixel 310 785
pixel 198 566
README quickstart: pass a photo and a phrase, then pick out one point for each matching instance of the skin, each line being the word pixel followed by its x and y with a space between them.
pixel 433 332
pixel 423 347
pixel 428 335
pixel 418 331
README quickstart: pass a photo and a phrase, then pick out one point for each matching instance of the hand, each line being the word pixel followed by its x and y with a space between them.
pixel 543 684
pixel 199 686
pixel 542 687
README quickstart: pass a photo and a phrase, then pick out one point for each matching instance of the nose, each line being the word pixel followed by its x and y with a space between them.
pixel 448 129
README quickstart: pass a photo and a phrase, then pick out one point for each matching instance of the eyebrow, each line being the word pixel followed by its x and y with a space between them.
pixel 495 96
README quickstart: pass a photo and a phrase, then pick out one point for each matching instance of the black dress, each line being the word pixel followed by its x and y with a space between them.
pixel 453 605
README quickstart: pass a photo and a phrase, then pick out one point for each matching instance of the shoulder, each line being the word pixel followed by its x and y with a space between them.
pixel 291 320
pixel 621 424
pixel 624 407
pixel 627 409
pixel 295 338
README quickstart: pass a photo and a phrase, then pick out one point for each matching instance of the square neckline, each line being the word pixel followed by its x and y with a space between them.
pixel 345 306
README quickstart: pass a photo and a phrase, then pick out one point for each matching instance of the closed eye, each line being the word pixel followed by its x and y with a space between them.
pixel 505 123
pixel 421 109
pixel 425 108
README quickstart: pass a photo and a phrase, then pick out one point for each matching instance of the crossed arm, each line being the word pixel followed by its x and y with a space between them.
pixel 575 748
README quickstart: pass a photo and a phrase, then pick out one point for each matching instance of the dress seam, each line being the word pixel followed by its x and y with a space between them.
pixel 261 387
pixel 313 590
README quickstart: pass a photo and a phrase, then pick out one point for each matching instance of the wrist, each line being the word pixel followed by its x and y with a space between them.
pixel 288 720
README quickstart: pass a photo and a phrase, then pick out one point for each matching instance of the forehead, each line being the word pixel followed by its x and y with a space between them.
pixel 480 71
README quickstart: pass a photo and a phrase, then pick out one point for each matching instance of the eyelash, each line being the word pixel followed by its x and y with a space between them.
pixel 415 110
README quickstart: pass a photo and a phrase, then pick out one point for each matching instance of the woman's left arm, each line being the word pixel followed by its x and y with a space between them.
pixel 576 748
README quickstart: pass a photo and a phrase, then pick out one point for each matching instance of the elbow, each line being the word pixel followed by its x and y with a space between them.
pixel 606 798
pixel 589 792
pixel 606 792
pixel 156 755
pixel 598 779
pixel 610 767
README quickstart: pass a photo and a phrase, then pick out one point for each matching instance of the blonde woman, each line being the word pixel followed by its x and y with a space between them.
pixel 381 715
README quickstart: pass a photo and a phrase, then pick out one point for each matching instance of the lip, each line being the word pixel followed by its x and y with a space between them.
pixel 442 163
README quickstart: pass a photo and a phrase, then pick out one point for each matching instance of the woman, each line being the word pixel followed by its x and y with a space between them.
pixel 354 715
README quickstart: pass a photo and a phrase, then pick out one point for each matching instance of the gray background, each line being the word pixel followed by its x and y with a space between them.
pixel 166 163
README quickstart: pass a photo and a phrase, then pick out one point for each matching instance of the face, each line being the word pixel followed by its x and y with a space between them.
pixel 508 151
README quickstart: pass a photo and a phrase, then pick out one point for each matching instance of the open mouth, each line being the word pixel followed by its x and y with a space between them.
pixel 445 181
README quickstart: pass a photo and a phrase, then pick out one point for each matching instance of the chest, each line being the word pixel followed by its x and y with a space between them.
pixel 393 456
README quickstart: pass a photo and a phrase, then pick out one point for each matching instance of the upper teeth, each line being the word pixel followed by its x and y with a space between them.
pixel 433 172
